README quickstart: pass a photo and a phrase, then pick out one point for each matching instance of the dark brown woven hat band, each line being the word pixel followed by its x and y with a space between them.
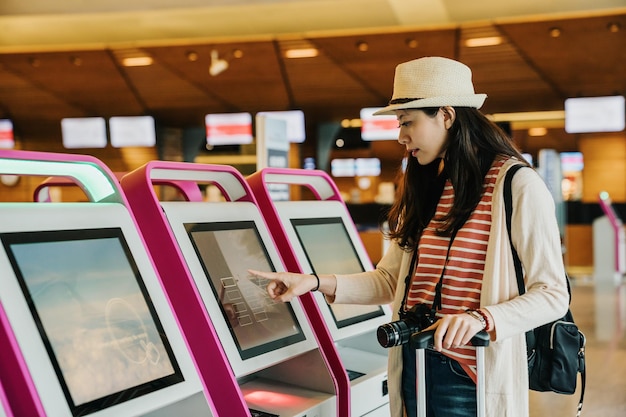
pixel 403 100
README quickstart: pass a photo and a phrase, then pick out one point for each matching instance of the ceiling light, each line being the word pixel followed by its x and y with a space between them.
pixel 192 56
pixel 237 53
pixel 218 65
pixel 132 57
pixel 537 131
pixel 412 43
pixel 137 61
pixel 362 46
pixel 614 27
pixel 555 32
pixel 301 53
pixel 486 41
pixel 355 123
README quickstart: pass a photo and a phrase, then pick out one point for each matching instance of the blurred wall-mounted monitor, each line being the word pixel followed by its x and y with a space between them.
pixel 88 312
pixel 383 127
pixel 220 242
pixel 325 241
pixel 296 131
pixel 355 167
pixel 7 138
pixel 132 131
pixel 228 129
pixel 84 132
pixel 572 165
pixel 595 114
pixel 367 167
pixel 572 161
pixel 343 167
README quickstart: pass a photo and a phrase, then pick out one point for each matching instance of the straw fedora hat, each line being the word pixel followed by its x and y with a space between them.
pixel 432 82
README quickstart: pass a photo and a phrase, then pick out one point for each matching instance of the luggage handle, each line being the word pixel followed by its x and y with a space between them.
pixel 421 340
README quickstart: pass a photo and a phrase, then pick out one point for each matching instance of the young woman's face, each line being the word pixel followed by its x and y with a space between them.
pixel 425 137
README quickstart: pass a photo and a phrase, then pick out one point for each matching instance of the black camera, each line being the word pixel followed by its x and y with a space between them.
pixel 396 333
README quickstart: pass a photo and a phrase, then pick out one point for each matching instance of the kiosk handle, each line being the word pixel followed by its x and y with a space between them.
pixel 317 181
pixel 89 173
pixel 226 178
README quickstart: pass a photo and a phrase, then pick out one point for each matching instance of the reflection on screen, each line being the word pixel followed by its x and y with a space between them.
pixel 329 250
pixel 94 315
pixel 227 250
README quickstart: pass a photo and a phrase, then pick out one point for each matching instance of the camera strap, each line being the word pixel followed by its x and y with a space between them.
pixel 407 281
pixel 439 286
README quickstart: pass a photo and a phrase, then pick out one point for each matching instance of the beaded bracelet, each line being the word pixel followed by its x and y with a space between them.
pixel 486 318
pixel 317 287
pixel 478 316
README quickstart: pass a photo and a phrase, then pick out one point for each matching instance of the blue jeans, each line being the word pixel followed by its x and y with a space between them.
pixel 449 391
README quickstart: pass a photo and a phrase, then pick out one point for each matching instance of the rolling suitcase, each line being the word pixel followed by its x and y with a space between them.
pixel 420 342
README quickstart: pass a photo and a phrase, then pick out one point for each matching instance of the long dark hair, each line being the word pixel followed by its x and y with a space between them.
pixel 473 144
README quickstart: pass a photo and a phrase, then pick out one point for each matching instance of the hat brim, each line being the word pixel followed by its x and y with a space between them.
pixel 474 100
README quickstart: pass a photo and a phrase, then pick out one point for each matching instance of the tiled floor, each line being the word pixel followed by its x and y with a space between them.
pixel 605 395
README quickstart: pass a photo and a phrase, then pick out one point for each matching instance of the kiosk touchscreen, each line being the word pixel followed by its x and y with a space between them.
pixel 269 345
pixel 88 313
pixel 329 249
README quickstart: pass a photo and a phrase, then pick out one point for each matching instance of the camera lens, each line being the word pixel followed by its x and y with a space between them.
pixel 394 334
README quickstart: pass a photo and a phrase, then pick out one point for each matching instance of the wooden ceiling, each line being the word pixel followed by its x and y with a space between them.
pixel 531 70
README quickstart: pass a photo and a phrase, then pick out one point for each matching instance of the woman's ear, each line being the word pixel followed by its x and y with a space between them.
pixel 449 116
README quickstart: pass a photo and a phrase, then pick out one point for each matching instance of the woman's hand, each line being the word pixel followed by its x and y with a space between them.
pixel 284 286
pixel 454 330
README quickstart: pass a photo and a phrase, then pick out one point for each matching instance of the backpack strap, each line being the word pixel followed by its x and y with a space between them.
pixel 508 208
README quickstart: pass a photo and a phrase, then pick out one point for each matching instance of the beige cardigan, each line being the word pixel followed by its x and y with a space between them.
pixel 537 240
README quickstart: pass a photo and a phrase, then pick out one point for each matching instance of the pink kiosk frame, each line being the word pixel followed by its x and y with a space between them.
pixel 139 189
pixel 215 375
pixel 323 188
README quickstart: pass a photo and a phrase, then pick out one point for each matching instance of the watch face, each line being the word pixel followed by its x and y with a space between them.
pixel 9 180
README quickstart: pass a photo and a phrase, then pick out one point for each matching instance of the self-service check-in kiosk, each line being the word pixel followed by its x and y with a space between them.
pixel 319 236
pixel 273 352
pixel 609 259
pixel 86 328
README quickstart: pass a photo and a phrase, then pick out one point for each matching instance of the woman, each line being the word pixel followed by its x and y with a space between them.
pixel 450 241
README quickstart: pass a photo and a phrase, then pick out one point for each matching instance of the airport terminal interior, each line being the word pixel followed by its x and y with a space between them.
pixel 153 151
